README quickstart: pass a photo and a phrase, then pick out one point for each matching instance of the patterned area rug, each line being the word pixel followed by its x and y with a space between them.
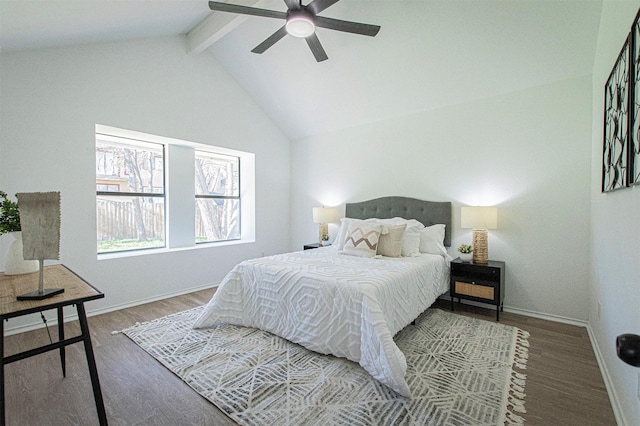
pixel 461 371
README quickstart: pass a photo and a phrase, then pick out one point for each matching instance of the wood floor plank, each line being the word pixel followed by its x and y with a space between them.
pixel 564 384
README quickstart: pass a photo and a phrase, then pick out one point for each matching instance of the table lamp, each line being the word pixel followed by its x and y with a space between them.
pixel 323 216
pixel 40 223
pixel 480 219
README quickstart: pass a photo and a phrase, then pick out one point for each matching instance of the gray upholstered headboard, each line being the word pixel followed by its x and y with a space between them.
pixel 427 212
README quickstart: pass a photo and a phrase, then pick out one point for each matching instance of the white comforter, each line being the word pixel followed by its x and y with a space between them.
pixel 330 303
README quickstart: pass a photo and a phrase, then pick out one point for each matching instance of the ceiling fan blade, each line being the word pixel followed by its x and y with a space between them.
pixel 316 48
pixel 246 10
pixel 292 4
pixel 347 26
pixel 317 6
pixel 271 40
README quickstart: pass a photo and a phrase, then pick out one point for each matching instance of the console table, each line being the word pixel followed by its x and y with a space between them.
pixel 76 292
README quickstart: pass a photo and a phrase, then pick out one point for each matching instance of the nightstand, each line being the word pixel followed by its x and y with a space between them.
pixel 481 283
pixel 311 246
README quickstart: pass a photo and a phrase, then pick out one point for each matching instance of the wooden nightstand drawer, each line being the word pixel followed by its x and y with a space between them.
pixel 475 290
pixel 474 272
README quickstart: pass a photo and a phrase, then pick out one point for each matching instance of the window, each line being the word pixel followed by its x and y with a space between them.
pixel 154 192
pixel 217 197
pixel 130 196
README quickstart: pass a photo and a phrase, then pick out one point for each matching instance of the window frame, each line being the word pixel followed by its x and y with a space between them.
pixel 222 197
pixel 138 143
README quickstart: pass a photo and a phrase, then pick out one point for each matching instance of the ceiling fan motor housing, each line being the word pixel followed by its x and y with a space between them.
pixel 300 23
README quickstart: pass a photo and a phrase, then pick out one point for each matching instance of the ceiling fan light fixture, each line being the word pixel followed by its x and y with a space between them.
pixel 300 24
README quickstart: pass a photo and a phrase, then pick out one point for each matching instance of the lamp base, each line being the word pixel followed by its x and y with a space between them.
pixel 480 246
pixel 37 295
pixel 323 229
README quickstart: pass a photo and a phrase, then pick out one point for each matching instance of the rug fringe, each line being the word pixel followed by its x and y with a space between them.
pixel 521 350
pixel 517 389
pixel 513 419
pixel 517 405
pixel 519 376
pixel 523 337
pixel 515 395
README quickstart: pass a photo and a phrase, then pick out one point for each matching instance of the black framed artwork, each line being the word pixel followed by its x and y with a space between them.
pixel 634 135
pixel 617 92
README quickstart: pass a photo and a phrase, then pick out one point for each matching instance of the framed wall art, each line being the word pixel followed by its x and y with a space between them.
pixel 615 159
pixel 634 135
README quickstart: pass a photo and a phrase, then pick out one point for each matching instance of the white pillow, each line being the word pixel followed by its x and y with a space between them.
pixel 411 240
pixel 390 244
pixel 432 240
pixel 411 243
pixel 362 239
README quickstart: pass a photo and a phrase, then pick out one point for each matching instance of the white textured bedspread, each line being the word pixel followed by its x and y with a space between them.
pixel 347 306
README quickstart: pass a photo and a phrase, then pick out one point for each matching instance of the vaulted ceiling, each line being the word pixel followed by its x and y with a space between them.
pixel 429 53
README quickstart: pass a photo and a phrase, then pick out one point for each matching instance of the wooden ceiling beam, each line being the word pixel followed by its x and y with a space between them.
pixel 213 28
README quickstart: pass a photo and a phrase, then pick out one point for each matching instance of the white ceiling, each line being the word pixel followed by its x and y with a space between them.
pixel 428 54
pixel 29 24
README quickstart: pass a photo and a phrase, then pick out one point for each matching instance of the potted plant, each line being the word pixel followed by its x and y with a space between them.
pixel 324 239
pixel 9 215
pixel 10 224
pixel 466 252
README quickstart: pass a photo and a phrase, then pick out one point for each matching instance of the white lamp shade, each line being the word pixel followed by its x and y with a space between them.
pixel 479 217
pixel 325 215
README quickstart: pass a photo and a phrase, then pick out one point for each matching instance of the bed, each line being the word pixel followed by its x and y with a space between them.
pixel 332 302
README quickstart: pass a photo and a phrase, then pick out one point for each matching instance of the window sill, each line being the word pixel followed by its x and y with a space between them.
pixel 148 252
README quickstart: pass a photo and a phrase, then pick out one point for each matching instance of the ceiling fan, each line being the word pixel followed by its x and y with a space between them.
pixel 301 21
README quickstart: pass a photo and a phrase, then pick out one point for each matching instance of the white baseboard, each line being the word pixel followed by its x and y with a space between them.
pixel 548 317
pixel 524 312
pixel 618 412
pixel 72 317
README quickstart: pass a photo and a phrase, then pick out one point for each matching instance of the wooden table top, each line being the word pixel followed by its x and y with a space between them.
pixel 55 276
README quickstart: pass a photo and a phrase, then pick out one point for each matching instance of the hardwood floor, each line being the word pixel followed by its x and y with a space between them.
pixel 564 385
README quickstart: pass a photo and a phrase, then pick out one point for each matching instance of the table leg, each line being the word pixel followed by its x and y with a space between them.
pixel 60 339
pixel 2 372
pixel 93 371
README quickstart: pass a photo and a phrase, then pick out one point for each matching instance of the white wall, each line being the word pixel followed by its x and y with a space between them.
pixel 51 101
pixel 527 152
pixel 615 240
